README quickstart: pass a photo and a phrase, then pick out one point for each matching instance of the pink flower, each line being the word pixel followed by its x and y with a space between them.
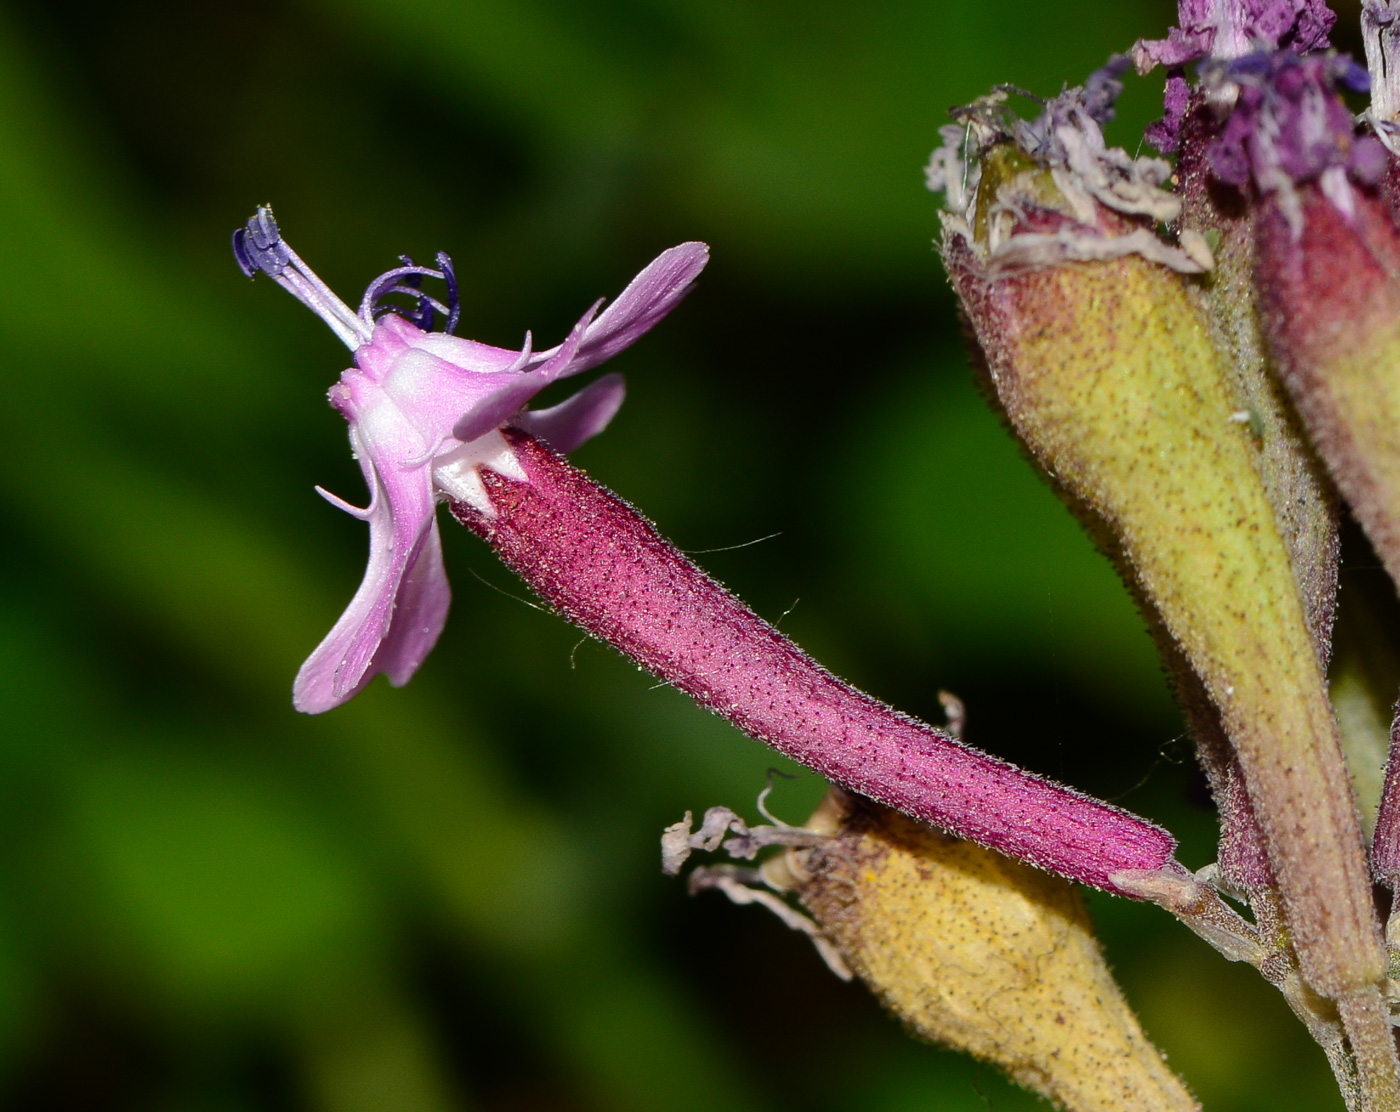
pixel 421 402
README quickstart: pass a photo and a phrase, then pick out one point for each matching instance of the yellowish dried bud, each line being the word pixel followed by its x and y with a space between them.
pixel 978 952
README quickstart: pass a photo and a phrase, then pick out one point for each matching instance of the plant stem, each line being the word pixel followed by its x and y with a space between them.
pixel 1366 1021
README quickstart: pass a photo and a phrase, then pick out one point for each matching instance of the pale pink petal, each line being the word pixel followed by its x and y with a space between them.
pixel 420 612
pixel 449 386
pixel 469 355
pixel 434 395
pixel 579 418
pixel 401 555
pixel 648 297
pixel 495 409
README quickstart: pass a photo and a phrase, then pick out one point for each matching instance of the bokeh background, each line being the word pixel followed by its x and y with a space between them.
pixel 448 896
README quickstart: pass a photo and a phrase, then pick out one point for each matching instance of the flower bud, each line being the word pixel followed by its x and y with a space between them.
pixel 977 952
pixel 1104 365
pixel 1332 310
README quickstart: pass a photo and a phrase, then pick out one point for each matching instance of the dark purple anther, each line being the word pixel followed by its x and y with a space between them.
pixel 604 567
pixel 259 246
pixel 1260 64
pixel 1349 74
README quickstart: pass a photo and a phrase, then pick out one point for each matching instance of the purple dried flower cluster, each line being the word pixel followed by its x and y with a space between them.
pixel 1223 31
pixel 1289 123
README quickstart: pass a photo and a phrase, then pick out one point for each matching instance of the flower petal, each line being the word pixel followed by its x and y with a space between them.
pixel 583 416
pixel 420 611
pixel 444 384
pixel 436 396
pixel 404 571
pixel 648 297
pixel 469 355
pixel 494 409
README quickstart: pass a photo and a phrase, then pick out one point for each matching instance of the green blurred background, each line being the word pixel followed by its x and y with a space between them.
pixel 448 896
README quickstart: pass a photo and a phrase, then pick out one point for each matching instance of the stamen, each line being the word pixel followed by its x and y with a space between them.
pixel 385 284
pixel 260 247
pixel 411 291
pixel 412 286
pixel 407 280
